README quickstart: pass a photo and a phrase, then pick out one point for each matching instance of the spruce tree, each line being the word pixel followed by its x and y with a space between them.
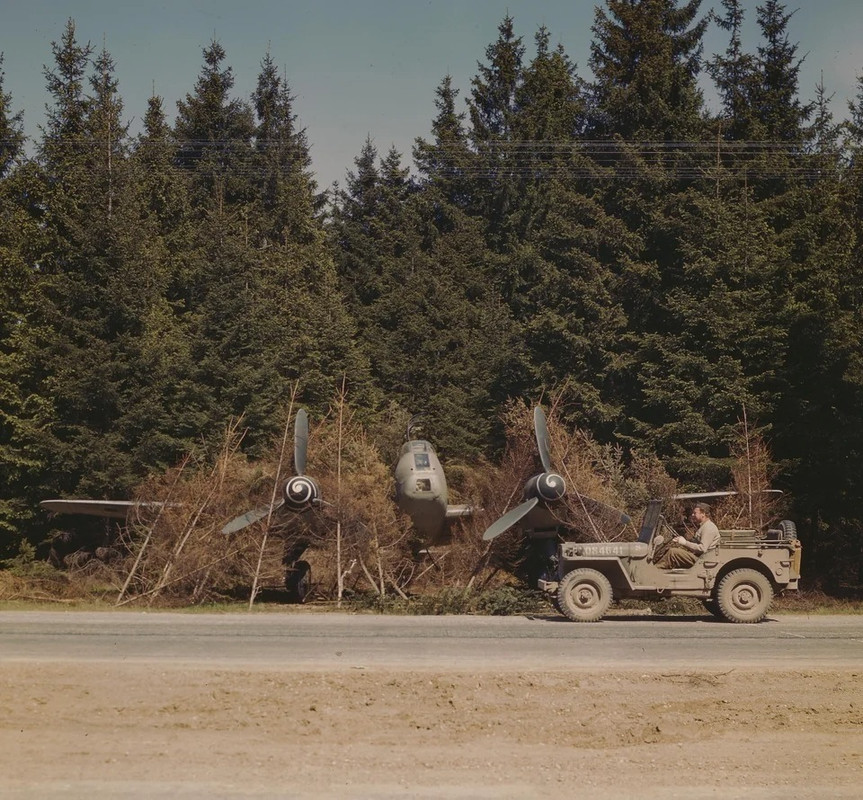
pixel 18 229
pixel 735 78
pixel 78 353
pixel 779 110
pixel 646 59
pixel 558 279
pixel 447 163
pixel 647 105
pixel 492 108
pixel 817 430
pixel 284 184
pixel 214 132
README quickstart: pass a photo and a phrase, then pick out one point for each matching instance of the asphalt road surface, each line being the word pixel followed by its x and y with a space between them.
pixel 314 640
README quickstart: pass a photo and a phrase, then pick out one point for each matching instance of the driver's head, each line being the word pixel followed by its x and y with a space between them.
pixel 700 512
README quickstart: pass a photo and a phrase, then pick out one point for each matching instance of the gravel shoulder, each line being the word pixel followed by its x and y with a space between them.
pixel 82 729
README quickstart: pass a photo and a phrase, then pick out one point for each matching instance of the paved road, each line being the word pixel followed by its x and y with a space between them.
pixel 309 640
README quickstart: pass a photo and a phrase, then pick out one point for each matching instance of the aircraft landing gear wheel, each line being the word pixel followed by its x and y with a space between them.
pixel 298 581
pixel 584 595
pixel 744 596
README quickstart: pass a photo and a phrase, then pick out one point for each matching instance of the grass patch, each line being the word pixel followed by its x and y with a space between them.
pixel 499 601
pixel 817 602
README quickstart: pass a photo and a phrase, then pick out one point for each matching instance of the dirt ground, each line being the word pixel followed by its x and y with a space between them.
pixel 137 730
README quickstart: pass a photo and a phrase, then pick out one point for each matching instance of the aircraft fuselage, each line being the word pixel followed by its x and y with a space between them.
pixel 421 490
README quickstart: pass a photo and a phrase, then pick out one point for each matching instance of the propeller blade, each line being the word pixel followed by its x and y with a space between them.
pixel 541 430
pixel 610 512
pixel 509 519
pixel 249 518
pixel 301 441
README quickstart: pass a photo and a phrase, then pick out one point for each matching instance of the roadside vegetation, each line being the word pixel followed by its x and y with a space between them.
pixel 363 553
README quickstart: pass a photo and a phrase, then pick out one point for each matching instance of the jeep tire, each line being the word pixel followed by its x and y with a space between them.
pixel 744 596
pixel 584 595
pixel 712 606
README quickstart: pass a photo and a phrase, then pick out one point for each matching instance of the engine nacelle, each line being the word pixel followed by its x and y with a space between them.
pixel 300 493
pixel 547 486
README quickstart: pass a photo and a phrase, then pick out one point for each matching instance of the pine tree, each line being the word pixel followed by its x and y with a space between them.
pixel 214 133
pixel 646 60
pixel 818 430
pixel 735 78
pixel 18 228
pixel 778 107
pixel 284 186
pixel 492 108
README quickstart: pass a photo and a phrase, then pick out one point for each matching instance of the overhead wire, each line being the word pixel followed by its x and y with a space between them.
pixel 594 159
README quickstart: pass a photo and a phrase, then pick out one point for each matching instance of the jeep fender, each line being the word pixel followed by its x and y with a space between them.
pixel 752 563
pixel 609 566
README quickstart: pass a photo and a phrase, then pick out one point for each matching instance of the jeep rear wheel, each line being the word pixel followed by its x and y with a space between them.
pixel 744 596
pixel 584 595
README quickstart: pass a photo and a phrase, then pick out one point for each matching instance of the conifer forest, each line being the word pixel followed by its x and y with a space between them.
pixel 665 273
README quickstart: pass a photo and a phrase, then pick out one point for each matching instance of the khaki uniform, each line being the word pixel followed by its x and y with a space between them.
pixel 680 556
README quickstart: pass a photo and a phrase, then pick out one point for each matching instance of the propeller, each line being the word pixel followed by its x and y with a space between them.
pixel 509 519
pixel 299 493
pixel 547 488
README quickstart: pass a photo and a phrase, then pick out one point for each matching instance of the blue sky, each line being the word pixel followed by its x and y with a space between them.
pixel 357 67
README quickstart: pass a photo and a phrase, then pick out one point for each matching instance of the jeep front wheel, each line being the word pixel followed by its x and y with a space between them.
pixel 584 595
pixel 744 595
pixel 712 606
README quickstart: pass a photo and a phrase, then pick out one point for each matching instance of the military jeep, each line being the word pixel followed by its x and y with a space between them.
pixel 736 582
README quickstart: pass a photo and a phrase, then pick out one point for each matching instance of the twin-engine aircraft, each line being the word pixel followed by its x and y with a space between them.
pixel 421 493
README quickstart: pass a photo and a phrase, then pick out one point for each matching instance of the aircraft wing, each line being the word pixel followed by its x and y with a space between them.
pixel 118 509
pixel 705 495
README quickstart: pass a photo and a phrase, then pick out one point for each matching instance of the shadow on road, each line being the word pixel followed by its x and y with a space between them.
pixel 709 618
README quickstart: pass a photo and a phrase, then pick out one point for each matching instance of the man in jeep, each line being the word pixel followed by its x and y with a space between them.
pixel 684 553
